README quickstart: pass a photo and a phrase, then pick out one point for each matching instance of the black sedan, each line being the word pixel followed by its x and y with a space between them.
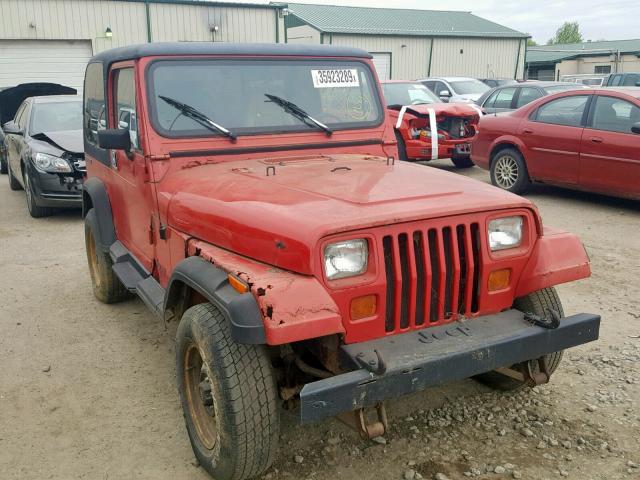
pixel 512 97
pixel 45 152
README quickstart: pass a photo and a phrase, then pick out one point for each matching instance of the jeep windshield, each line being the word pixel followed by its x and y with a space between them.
pixel 239 95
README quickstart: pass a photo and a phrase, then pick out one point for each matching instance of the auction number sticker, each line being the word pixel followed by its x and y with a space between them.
pixel 335 78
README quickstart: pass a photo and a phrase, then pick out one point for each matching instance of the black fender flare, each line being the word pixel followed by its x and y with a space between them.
pixel 240 309
pixel 96 190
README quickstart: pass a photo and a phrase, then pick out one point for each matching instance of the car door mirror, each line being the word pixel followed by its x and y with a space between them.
pixel 12 128
pixel 445 93
pixel 114 139
pixel 635 128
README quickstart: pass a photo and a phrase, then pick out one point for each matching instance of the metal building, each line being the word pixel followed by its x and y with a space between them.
pixel 410 44
pixel 51 40
pixel 554 62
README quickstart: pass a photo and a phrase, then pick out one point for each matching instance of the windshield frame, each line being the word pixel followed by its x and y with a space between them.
pixel 34 112
pixel 242 132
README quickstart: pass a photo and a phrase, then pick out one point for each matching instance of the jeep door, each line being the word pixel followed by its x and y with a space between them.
pixel 552 135
pixel 610 154
pixel 130 190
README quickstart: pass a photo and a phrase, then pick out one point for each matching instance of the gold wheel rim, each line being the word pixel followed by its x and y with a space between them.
pixel 199 396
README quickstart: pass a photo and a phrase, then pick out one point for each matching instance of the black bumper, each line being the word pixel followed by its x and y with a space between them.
pixel 53 190
pixel 433 356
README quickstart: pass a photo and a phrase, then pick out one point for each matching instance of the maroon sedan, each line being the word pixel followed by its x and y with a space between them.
pixel 582 139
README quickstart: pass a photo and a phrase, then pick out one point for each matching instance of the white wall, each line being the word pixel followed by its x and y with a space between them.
pixel 303 34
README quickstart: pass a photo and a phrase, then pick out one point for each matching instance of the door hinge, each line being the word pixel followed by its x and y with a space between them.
pixel 163 232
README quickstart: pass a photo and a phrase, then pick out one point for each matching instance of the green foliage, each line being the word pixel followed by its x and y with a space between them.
pixel 569 32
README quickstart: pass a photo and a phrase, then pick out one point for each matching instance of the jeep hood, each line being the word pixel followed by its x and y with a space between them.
pixel 277 211
pixel 445 110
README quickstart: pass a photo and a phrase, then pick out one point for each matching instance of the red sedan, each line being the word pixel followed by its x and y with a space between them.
pixel 416 113
pixel 582 139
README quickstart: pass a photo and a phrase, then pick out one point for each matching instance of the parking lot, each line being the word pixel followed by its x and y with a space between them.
pixel 88 391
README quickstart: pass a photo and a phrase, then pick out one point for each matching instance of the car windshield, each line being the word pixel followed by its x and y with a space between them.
pixel 56 117
pixel 262 96
pixel 408 94
pixel 468 87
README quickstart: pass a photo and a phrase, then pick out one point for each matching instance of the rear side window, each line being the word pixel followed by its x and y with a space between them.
pixel 615 115
pixel 563 111
pixel 504 98
pixel 94 104
pixel 615 80
pixel 527 95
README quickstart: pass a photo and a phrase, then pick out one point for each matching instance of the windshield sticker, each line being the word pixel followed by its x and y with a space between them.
pixel 335 78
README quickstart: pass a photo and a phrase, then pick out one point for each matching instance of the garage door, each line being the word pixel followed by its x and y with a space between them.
pixel 382 61
pixel 63 62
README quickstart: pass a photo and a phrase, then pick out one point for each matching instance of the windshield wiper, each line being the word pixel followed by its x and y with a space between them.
pixel 198 116
pixel 298 112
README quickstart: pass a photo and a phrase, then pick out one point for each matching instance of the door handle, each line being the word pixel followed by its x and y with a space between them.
pixel 596 139
pixel 527 130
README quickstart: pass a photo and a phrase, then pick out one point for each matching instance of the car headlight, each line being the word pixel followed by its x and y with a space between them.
pixel 51 164
pixel 346 259
pixel 505 233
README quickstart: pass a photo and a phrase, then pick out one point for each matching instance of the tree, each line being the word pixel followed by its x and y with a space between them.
pixel 569 32
pixel 531 42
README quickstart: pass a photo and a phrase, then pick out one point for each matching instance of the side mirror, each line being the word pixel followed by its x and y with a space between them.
pixel 445 93
pixel 114 139
pixel 12 128
pixel 636 128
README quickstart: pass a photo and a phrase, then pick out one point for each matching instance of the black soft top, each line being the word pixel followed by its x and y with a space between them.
pixel 133 52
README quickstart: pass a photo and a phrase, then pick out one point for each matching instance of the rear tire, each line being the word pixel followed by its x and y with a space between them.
pixel 228 395
pixel 34 210
pixel 539 304
pixel 107 287
pixel 3 165
pixel 462 161
pixel 509 171
pixel 402 147
pixel 13 183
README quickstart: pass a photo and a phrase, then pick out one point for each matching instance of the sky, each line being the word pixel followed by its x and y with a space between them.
pixel 598 19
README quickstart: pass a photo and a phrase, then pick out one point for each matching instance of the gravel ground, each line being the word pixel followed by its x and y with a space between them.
pixel 87 390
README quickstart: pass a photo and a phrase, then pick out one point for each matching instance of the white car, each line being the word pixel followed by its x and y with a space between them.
pixel 456 89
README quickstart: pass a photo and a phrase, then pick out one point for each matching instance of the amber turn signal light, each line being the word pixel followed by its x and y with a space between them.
pixel 499 279
pixel 363 307
pixel 237 284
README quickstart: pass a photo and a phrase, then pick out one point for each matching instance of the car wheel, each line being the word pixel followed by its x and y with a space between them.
pixel 402 147
pixel 13 183
pixel 462 161
pixel 228 396
pixel 538 303
pixel 34 210
pixel 509 171
pixel 3 165
pixel 107 287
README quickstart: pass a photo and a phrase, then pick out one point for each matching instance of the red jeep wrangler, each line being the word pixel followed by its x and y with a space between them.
pixel 250 192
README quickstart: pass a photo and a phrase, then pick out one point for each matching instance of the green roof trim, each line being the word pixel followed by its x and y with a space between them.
pixel 396 21
pixel 557 53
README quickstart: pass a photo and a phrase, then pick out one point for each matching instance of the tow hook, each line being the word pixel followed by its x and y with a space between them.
pixel 367 431
pixel 551 323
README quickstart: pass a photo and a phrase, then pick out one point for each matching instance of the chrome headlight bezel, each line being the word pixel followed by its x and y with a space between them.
pixel 353 254
pixel 505 233
pixel 47 163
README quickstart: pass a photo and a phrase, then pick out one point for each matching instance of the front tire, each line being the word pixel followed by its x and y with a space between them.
pixel 462 161
pixel 34 210
pixel 14 184
pixel 509 171
pixel 228 396
pixel 539 303
pixel 3 165
pixel 107 287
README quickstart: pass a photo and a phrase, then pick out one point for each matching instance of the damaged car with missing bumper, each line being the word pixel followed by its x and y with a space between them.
pixel 428 129
pixel 250 192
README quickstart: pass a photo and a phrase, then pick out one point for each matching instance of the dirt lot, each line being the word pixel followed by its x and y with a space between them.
pixel 87 390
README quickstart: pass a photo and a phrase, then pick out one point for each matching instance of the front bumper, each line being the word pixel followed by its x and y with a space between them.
pixel 54 190
pixel 425 358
